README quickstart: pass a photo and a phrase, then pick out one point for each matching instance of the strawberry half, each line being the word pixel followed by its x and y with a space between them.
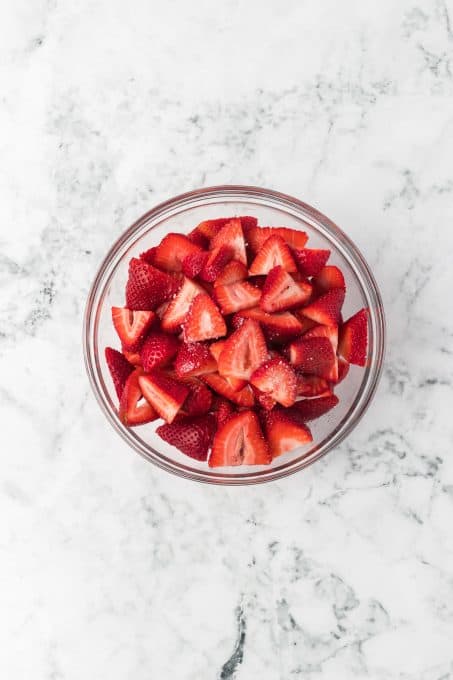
pixel 131 326
pixel 310 409
pixel 236 296
pixel 257 236
pixel 193 264
pixel 310 261
pixel 240 441
pixel 219 384
pixel 232 272
pixel 243 352
pixel 273 252
pixel 165 394
pixel 281 292
pixel 329 277
pixel 204 321
pixel 172 251
pixel 119 367
pixel 343 370
pixel 199 400
pixel 331 333
pixel 279 328
pixel 276 378
pixel 231 235
pixel 134 409
pixel 216 262
pixel 176 312
pixel 354 338
pixel 192 436
pixel 223 410
pixel 314 356
pixel 194 358
pixel 326 309
pixel 147 287
pixel 158 349
pixel 311 386
pixel 285 431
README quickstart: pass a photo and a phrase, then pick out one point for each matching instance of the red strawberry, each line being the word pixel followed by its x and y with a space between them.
pixel 264 400
pixel 314 356
pixel 310 409
pixel 132 357
pixel 158 349
pixel 310 261
pixel 203 321
pixel 326 309
pixel 243 397
pixel 176 312
pixel 232 272
pixel 165 394
pixel 147 287
pixel 216 348
pixel 192 436
pixel 306 324
pixel 231 235
pixel 194 263
pixel 172 251
pixel 216 262
pixel 119 367
pixel 343 370
pixel 134 410
pixel 198 238
pixel 276 378
pixel 281 292
pixel 331 333
pixel 149 255
pixel 257 237
pixel 194 358
pixel 236 296
pixel 279 328
pixel 354 338
pixel 209 228
pixel 240 441
pixel 285 431
pixel 311 385
pixel 272 253
pixel 131 326
pixel 243 352
pixel 199 400
pixel 328 278
pixel 223 410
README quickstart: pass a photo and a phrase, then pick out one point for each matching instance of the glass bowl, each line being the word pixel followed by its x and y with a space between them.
pixel 181 214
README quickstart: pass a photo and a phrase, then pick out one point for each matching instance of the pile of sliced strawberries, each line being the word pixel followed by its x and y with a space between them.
pixel 233 335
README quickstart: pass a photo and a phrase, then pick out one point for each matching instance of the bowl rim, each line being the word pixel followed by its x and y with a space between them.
pixel 277 200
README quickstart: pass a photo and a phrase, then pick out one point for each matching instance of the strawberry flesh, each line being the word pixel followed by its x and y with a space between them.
pixel 272 253
pixel 240 441
pixel 165 394
pixel 120 369
pixel 310 261
pixel 236 296
pixel 285 431
pixel 194 358
pixel 131 326
pixel 204 320
pixel 276 378
pixel 243 352
pixel 310 409
pixel 281 292
pixel 354 338
pixel 134 409
pixel 172 251
pixel 327 308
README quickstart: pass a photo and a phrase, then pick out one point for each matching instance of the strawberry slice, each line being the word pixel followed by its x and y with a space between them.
pixel 273 252
pixel 172 251
pixel 343 370
pixel 209 228
pixel 310 261
pixel 311 386
pixel 281 292
pixel 204 321
pixel 216 262
pixel 278 328
pixel 310 409
pixel 158 349
pixel 257 236
pixel 176 312
pixel 134 409
pixel 149 255
pixel 285 431
pixel 119 367
pixel 329 277
pixel 326 309
pixel 231 235
pixel 193 263
pixel 314 356
pixel 219 384
pixel 192 436
pixel 223 410
pixel 147 287
pixel 236 296
pixel 199 400
pixel 276 378
pixel 243 352
pixel 264 400
pixel 330 332
pixel 198 238
pixel 216 350
pixel 354 338
pixel 165 394
pixel 194 358
pixel 306 324
pixel 131 326
pixel 132 357
pixel 240 441
pixel 233 272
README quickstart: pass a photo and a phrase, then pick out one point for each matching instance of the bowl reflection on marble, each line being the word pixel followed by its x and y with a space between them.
pixel 181 214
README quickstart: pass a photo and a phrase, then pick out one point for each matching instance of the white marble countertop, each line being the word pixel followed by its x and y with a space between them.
pixel 111 568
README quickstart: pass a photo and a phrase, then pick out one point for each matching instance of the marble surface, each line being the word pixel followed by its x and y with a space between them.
pixel 110 568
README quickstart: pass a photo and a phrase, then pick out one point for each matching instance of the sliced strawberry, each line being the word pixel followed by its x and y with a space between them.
pixel 264 400
pixel 158 349
pixel 149 255
pixel 216 262
pixel 134 409
pixel 240 441
pixel 354 338
pixel 306 324
pixel 191 435
pixel 216 348
pixel 194 263
pixel 231 235
pixel 285 431
pixel 330 332
pixel 220 385
pixel 223 410
pixel 194 358
pixel 243 352
pixel 278 328
pixel 147 287
pixel 273 252
pixel 329 277
pixel 236 296
pixel 131 326
pixel 281 292
pixel 132 357
pixel 276 378
pixel 311 385
pixel 310 409
pixel 198 238
pixel 199 400
pixel 165 394
pixel 326 309
pixel 257 236
pixel 204 321
pixel 172 251
pixel 310 261
pixel 343 370
pixel 314 356
pixel 232 272
pixel 119 367
pixel 177 310
pixel 209 228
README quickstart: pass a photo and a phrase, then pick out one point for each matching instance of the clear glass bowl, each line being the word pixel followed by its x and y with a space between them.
pixel 181 214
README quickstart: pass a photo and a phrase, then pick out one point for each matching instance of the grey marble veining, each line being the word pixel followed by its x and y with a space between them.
pixel 108 566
